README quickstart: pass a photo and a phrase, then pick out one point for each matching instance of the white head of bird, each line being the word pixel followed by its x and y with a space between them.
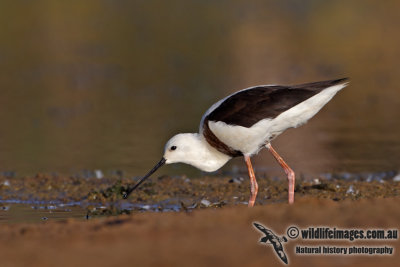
pixel 193 149
pixel 189 148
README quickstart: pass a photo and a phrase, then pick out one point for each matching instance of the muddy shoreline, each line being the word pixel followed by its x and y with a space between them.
pixel 166 193
pixel 206 237
pixel 211 225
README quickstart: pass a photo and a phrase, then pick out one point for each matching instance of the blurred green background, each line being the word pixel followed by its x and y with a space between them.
pixel 104 84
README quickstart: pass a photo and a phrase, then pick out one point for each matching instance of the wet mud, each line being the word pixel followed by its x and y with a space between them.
pixel 211 225
pixel 204 237
pixel 182 193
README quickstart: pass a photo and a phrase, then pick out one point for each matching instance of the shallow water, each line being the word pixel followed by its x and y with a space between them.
pixel 16 211
pixel 27 211
pixel 104 85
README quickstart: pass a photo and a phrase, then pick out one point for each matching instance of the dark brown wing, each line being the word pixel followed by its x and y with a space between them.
pixel 248 107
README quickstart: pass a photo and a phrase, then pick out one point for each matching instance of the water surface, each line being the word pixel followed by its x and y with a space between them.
pixel 104 84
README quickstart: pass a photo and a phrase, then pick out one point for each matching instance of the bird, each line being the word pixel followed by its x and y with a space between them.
pixel 274 240
pixel 243 123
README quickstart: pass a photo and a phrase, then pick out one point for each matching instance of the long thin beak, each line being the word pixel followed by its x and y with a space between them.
pixel 130 189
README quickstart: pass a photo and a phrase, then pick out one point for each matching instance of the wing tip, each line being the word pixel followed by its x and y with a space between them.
pixel 344 81
pixel 321 85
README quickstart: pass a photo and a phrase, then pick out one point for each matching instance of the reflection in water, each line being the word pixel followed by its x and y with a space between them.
pixel 31 212
pixel 104 85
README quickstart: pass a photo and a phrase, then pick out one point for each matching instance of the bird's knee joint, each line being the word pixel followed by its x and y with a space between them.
pixel 254 188
pixel 291 175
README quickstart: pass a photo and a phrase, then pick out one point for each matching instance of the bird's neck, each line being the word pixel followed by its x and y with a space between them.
pixel 207 158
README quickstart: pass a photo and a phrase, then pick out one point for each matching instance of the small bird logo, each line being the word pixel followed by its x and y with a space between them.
pixel 271 238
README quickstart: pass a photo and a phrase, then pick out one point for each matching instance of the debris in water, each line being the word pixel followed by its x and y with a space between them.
pixel 146 207
pixel 350 190
pixel 99 174
pixel 236 180
pixel 205 202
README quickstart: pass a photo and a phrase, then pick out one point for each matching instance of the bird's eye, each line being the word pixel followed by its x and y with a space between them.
pixel 173 147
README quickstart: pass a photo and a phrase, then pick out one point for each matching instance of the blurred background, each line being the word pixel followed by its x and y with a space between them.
pixel 104 84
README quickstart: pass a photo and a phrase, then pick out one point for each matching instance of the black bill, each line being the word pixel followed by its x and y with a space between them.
pixel 130 189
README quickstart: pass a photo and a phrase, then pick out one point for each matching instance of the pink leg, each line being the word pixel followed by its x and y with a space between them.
pixel 253 182
pixel 289 172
